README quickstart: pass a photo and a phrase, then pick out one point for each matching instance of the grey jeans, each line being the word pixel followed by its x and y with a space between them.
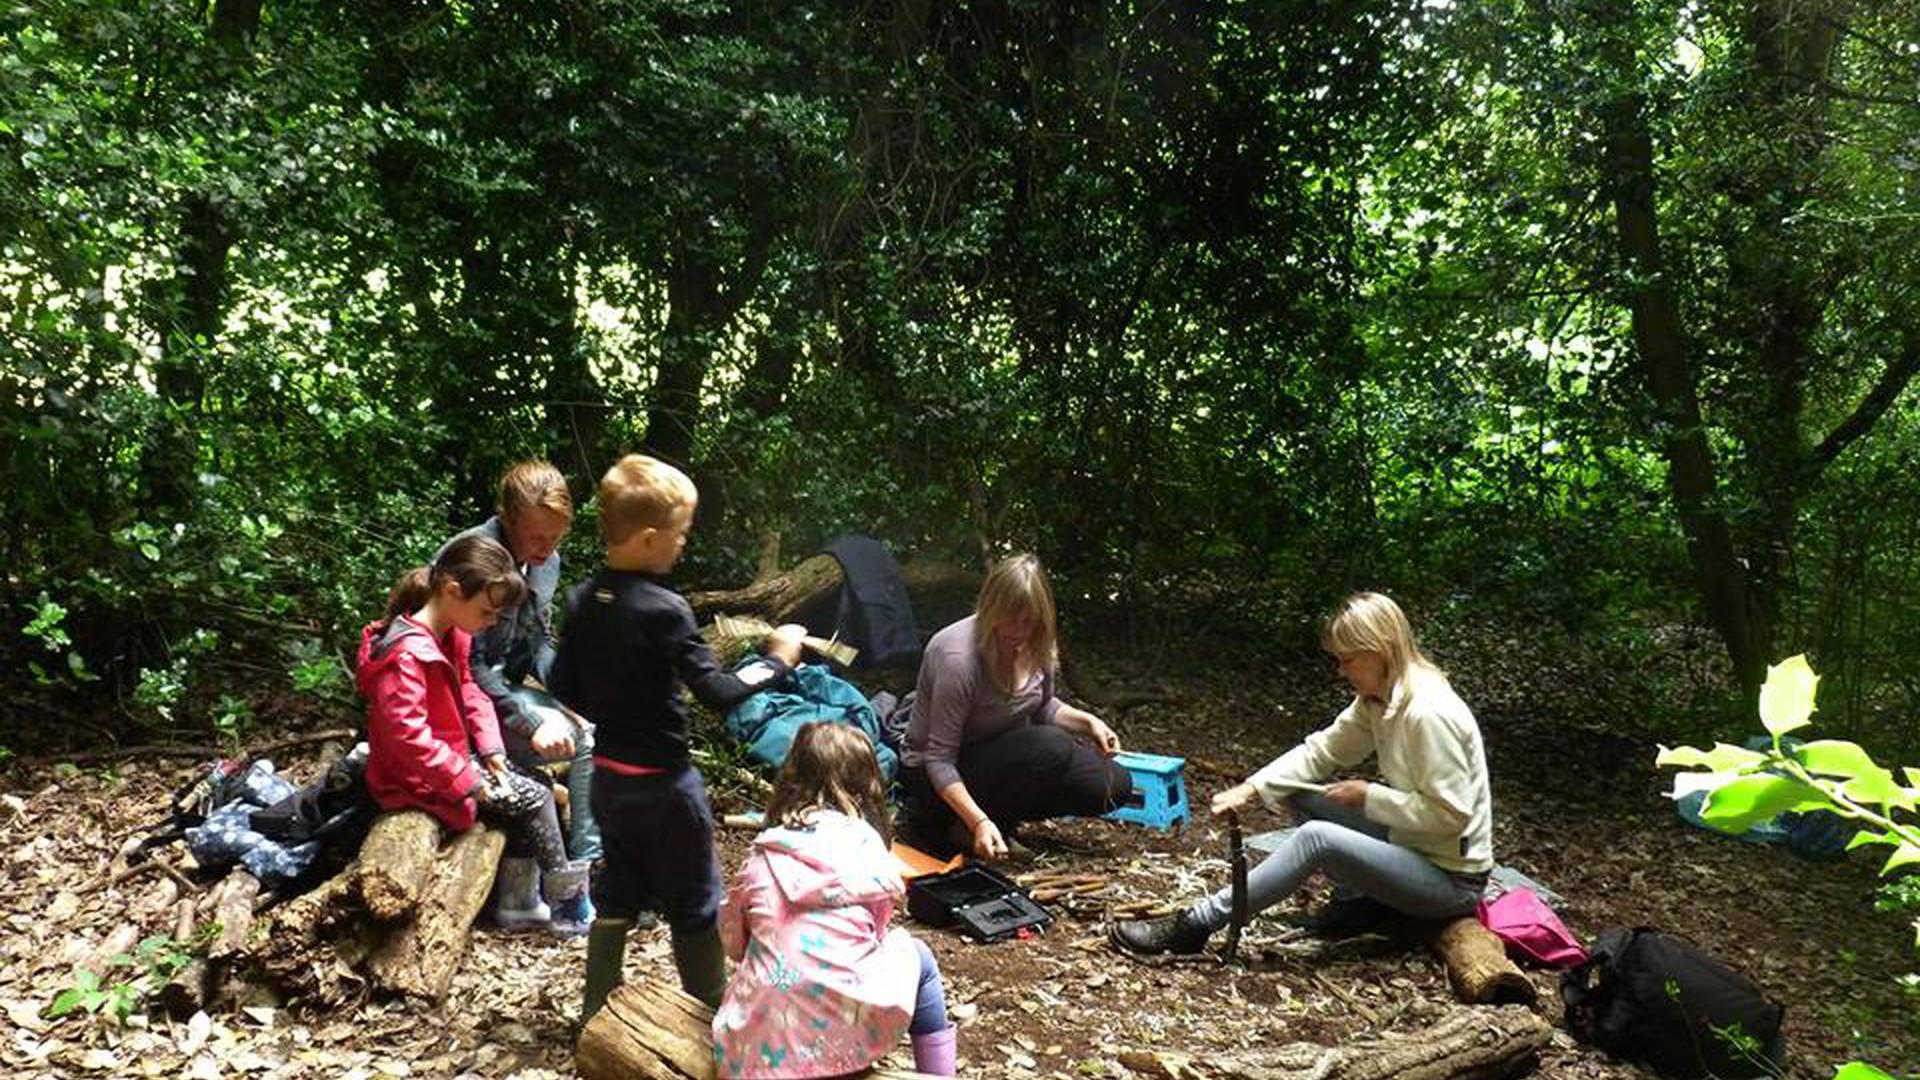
pixel 1359 858
pixel 584 841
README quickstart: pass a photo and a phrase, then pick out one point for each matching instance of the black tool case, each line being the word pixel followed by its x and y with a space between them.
pixel 980 901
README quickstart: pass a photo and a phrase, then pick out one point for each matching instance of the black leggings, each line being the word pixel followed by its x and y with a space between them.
pixel 1027 774
pixel 524 811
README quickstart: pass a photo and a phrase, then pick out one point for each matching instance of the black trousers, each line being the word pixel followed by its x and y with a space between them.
pixel 1027 774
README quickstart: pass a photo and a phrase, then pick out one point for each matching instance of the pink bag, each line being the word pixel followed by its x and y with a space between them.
pixel 1532 932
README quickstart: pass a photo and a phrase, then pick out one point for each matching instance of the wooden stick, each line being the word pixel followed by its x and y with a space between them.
pixel 185 749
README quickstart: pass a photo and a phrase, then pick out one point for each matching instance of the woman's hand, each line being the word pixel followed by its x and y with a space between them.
pixel 987 841
pixel 1103 737
pixel 1351 794
pixel 553 739
pixel 1233 800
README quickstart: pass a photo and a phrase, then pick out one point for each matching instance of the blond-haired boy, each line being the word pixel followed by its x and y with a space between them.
pixel 630 644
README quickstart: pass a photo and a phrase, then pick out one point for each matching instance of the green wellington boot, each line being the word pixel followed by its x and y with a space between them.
pixel 606 959
pixel 702 963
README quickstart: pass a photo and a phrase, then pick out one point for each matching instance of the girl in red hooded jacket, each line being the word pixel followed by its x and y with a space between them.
pixel 434 741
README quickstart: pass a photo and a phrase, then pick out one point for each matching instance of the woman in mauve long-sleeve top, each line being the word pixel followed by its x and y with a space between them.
pixel 988 744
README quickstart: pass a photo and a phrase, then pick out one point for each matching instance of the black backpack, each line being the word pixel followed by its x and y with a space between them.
pixel 1654 998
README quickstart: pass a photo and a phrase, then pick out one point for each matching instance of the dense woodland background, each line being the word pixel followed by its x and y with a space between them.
pixel 1596 317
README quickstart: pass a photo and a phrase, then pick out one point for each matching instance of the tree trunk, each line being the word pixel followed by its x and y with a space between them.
pixel 1660 342
pixel 654 1031
pixel 1466 1044
pixel 189 307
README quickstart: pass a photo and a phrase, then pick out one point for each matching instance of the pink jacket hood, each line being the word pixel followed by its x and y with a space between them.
pixel 835 863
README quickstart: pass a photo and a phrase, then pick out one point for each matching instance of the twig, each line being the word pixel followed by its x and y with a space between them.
pixel 1353 1003
pixel 188 749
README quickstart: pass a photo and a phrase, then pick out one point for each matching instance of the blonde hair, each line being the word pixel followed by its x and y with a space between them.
pixel 830 766
pixel 1372 622
pixel 640 492
pixel 527 484
pixel 1017 585
pixel 473 563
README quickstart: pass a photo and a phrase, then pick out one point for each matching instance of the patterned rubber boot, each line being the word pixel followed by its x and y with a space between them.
pixel 518 893
pixel 566 894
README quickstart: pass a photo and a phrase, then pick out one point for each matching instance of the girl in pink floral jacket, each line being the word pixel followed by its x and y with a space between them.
pixel 822 986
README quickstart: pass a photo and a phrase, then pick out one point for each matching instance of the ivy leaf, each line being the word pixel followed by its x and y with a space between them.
pixel 1860 1070
pixel 65 1002
pixel 1877 786
pixel 1724 757
pixel 1750 800
pixel 1835 757
pixel 1907 854
pixel 1787 698
pixel 1865 837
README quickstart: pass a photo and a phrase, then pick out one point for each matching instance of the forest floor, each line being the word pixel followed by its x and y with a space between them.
pixel 1578 810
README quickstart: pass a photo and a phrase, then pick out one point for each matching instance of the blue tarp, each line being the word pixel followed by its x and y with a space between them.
pixel 765 722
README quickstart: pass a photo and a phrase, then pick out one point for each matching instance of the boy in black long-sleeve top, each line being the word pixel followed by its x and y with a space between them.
pixel 630 643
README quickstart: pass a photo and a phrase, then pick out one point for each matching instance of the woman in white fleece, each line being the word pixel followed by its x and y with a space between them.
pixel 1419 841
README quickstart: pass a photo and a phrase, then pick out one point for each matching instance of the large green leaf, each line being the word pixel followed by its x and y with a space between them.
pixel 1907 854
pixel 1787 698
pixel 1723 757
pixel 1863 838
pixel 1750 800
pixel 1860 1070
pixel 1835 757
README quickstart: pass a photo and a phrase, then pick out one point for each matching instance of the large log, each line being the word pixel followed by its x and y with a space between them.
pixel 1465 1044
pixel 1478 967
pixel 318 942
pixel 420 958
pixel 654 1031
pixel 776 598
pixel 395 862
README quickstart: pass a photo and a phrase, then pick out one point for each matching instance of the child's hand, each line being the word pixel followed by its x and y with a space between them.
pixel 784 643
pixel 553 739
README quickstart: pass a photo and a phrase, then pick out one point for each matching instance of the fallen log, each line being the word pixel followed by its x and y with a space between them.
pixel 190 989
pixel 1465 1044
pixel 234 912
pixel 654 1031
pixel 395 862
pixel 118 942
pixel 777 598
pixel 1478 966
pixel 317 943
pixel 421 957
pixel 329 946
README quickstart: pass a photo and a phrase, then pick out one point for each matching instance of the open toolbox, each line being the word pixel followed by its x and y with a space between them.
pixel 980 901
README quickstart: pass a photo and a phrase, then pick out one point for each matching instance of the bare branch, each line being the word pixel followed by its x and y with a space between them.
pixel 1893 380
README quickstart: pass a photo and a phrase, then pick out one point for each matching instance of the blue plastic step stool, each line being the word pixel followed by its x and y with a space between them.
pixel 1159 790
